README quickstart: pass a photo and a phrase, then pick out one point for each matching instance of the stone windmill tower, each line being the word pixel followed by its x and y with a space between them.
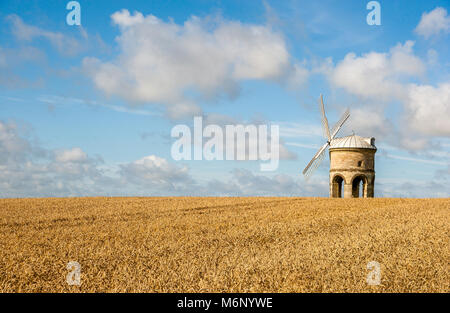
pixel 352 161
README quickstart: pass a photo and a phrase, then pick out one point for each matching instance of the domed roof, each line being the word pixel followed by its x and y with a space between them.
pixel 353 141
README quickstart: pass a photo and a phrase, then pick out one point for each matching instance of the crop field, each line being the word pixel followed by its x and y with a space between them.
pixel 182 244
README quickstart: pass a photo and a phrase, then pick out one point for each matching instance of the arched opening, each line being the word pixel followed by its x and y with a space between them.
pixel 359 187
pixel 338 187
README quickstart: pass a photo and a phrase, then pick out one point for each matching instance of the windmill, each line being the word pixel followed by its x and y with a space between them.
pixel 329 136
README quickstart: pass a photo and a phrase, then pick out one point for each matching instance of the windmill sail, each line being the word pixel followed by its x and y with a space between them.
pixel 339 124
pixel 315 161
pixel 318 157
pixel 326 128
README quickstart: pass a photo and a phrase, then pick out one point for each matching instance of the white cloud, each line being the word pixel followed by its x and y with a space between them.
pixel 378 75
pixel 13 148
pixel 171 64
pixel 428 109
pixel 71 155
pixel 263 185
pixel 30 171
pixel 125 19
pixel 27 170
pixel 379 79
pixel 434 22
pixel 245 183
pixel 369 121
pixel 416 189
pixel 410 141
pixel 156 172
pixel 24 32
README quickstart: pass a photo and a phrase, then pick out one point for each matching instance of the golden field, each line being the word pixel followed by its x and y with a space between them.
pixel 224 244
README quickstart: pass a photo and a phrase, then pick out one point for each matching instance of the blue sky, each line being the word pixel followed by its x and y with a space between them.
pixel 83 113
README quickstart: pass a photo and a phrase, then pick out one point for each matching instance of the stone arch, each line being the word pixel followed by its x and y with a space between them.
pixel 338 183
pixel 356 186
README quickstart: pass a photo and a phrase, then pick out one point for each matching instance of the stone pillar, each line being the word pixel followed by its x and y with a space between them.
pixel 348 191
pixel 331 188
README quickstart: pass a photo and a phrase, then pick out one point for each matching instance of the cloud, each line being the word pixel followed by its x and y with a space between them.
pixel 16 57
pixel 370 120
pixel 54 100
pixel 12 61
pixel 74 164
pixel 295 130
pixel 443 173
pixel 378 75
pixel 25 66
pixel 27 170
pixel 416 160
pixel 245 183
pixel 383 80
pixel 243 147
pixel 263 185
pixel 72 155
pixel 427 189
pixel 13 148
pixel 25 32
pixel 155 172
pixel 433 23
pixel 432 57
pixel 176 65
pixel 428 109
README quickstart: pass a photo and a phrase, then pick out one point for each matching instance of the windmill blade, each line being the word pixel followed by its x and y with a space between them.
pixel 326 128
pixel 315 161
pixel 339 124
pixel 313 165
